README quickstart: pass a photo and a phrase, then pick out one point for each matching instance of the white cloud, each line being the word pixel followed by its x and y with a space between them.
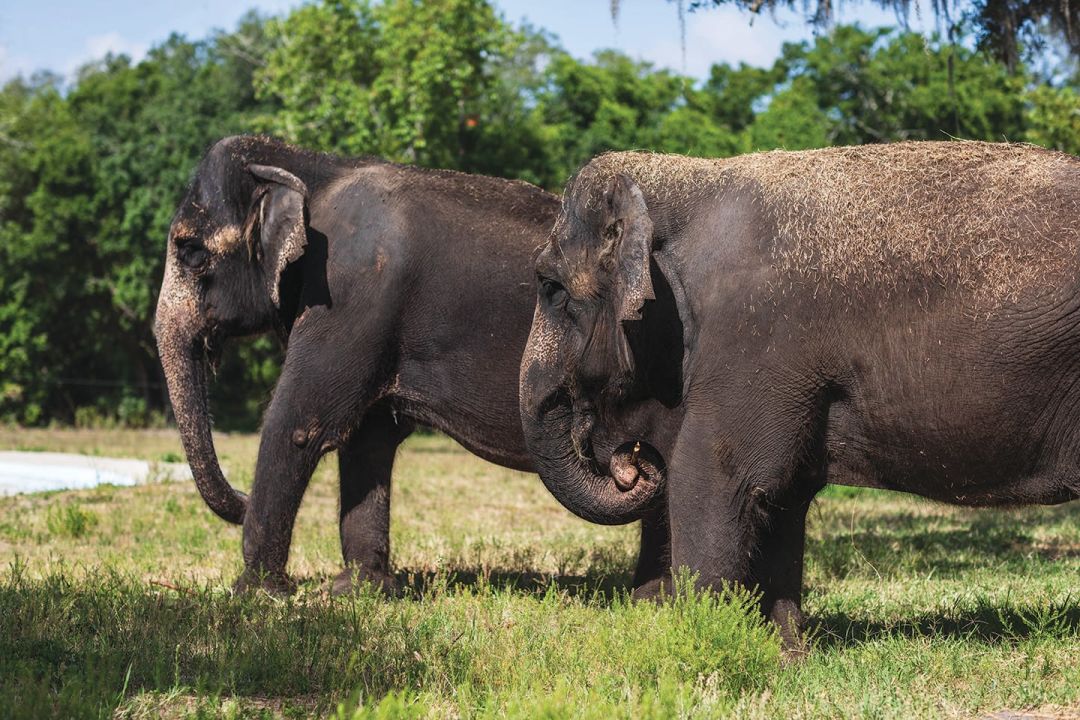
pixel 11 64
pixel 98 46
pixel 113 42
pixel 726 34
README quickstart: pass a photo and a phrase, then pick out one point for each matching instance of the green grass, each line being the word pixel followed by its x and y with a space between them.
pixel 115 602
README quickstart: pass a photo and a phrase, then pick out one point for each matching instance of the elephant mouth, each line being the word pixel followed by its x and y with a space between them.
pixel 213 348
pixel 581 431
pixel 623 463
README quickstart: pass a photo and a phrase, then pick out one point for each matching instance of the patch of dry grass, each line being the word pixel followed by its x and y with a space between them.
pixel 450 511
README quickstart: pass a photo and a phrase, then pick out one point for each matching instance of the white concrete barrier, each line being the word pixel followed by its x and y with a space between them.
pixel 28 472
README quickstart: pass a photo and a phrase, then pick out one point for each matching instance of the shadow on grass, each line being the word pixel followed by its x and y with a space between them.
pixel 603 588
pixel 78 647
pixel 902 542
pixel 986 622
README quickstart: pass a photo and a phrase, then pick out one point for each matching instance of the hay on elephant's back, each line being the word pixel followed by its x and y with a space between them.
pixel 991 217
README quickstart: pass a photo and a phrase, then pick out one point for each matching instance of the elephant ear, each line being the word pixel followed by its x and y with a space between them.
pixel 276 230
pixel 628 239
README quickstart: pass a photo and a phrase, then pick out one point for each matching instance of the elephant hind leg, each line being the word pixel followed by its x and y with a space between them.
pixel 365 464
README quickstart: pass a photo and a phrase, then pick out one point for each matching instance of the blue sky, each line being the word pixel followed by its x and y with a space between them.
pixel 60 35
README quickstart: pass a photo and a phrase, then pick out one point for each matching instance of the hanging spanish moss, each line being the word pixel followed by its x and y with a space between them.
pixel 1004 28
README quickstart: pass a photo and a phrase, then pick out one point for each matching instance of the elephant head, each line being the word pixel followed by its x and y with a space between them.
pixel 581 363
pixel 240 225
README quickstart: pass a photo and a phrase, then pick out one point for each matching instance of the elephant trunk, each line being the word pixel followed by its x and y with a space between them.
pixel 625 494
pixel 558 443
pixel 182 353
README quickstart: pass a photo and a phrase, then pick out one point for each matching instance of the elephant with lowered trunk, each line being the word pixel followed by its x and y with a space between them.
pixel 403 296
pixel 745 331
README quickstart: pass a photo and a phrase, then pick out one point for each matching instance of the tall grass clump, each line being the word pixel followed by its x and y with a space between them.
pixel 70 520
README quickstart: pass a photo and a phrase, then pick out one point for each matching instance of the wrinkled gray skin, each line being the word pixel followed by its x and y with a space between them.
pixel 404 297
pixel 909 392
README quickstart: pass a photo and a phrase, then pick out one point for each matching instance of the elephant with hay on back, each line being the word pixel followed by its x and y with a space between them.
pixel 744 331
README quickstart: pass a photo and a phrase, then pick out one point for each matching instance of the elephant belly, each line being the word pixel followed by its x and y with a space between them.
pixel 958 442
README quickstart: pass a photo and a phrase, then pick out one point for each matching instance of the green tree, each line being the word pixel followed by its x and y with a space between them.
pixel 794 120
pixel 407 80
pixel 90 171
pixel 688 131
pixel 507 136
pixel 1054 118
pixel 46 163
pixel 616 103
pixel 94 176
pixel 881 85
pixel 730 94
pixel 854 86
pixel 320 72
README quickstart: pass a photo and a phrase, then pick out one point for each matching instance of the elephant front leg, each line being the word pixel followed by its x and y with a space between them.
pixel 721 542
pixel 365 464
pixel 286 461
pixel 777 572
pixel 308 417
pixel 743 521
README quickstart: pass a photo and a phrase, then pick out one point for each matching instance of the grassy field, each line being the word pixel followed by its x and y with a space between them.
pixel 115 602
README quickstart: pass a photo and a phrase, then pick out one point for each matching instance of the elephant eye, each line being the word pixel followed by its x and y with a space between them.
pixel 192 254
pixel 553 292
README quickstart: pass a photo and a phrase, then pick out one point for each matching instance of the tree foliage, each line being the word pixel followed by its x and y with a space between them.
pixel 92 168
pixel 91 179
pixel 401 79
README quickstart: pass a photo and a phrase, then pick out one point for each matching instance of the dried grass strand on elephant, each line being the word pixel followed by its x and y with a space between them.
pixel 992 218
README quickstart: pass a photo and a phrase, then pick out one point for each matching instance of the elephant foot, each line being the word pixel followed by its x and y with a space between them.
pixel 789 620
pixel 274 583
pixel 656 590
pixel 793 649
pixel 353 577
